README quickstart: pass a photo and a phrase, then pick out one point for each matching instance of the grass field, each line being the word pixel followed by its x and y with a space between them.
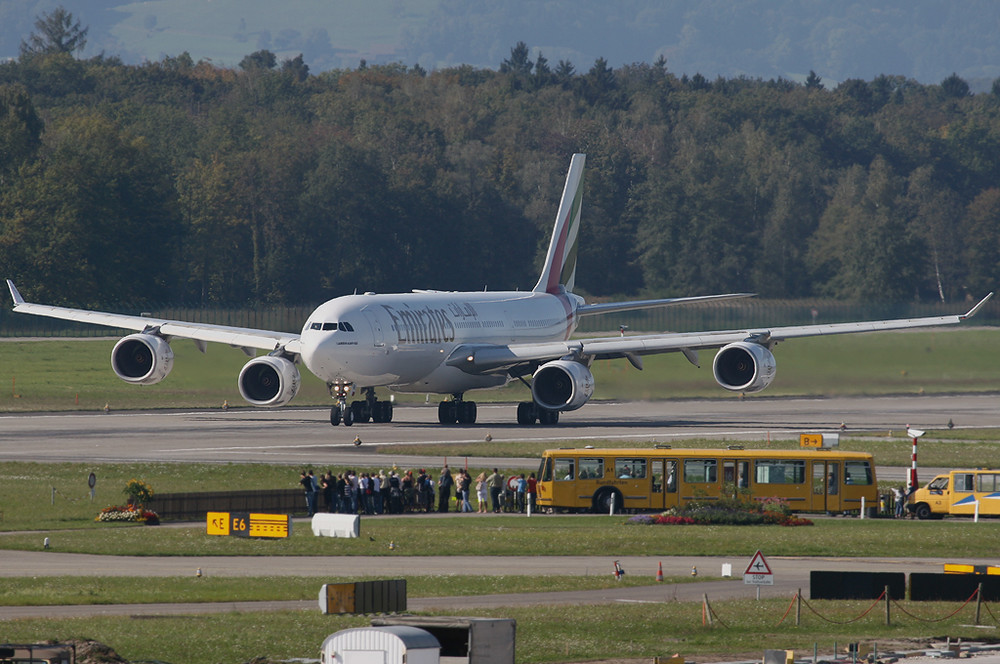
pixel 545 634
pixel 543 536
pixel 53 499
pixel 42 496
pixel 76 374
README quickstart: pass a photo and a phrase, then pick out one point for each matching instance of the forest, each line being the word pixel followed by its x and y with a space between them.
pixel 184 182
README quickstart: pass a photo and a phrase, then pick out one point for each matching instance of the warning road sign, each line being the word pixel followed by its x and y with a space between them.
pixel 758 572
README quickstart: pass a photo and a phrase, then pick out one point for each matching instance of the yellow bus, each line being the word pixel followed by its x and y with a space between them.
pixel 656 479
pixel 958 492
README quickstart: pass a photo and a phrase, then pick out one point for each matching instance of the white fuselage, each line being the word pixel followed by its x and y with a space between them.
pixel 402 341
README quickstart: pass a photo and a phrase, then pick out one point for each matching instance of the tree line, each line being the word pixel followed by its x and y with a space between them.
pixel 181 181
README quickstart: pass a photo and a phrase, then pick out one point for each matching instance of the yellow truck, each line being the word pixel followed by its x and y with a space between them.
pixel 960 493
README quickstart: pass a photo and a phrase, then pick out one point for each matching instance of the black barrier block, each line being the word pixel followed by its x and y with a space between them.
pixel 380 596
pixel 856 585
pixel 931 587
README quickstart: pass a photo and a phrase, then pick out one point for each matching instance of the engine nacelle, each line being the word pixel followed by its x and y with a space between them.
pixel 562 385
pixel 744 367
pixel 269 381
pixel 142 359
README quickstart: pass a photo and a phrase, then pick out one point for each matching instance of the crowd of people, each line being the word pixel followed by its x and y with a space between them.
pixel 399 493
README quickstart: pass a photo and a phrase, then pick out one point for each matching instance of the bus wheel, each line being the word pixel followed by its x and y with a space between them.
pixel 602 501
pixel 922 511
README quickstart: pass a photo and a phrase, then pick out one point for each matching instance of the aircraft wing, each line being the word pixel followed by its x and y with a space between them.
pixel 239 337
pixel 485 358
pixel 607 307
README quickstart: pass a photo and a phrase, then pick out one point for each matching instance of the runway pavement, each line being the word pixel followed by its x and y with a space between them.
pixel 304 436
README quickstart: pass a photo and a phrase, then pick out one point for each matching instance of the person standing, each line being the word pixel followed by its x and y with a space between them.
pixel 428 492
pixel 532 489
pixel 306 480
pixel 899 493
pixel 352 481
pixel 522 492
pixel 482 492
pixel 330 498
pixel 495 484
pixel 464 482
pixel 343 496
pixel 445 482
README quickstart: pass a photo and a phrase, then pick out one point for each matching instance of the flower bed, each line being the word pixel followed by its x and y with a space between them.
pixel 118 513
pixel 726 512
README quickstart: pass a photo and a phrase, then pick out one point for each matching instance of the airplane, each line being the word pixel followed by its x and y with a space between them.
pixel 449 343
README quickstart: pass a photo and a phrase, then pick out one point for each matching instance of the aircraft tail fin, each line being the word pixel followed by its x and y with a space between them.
pixel 559 272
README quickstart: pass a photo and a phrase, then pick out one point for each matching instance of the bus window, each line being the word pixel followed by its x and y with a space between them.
pixel 564 469
pixel 857 472
pixel 988 482
pixel 963 482
pixel 700 471
pixel 545 472
pixel 592 469
pixel 626 469
pixel 780 471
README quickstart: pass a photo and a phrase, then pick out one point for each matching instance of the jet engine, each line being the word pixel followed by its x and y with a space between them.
pixel 142 359
pixel 562 385
pixel 269 380
pixel 744 367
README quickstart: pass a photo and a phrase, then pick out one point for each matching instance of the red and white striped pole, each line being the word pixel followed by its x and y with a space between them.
pixel 913 433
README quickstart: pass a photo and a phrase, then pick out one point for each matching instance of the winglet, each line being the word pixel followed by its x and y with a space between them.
pixel 14 294
pixel 972 312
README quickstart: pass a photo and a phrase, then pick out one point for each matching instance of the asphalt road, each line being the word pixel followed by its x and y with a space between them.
pixel 790 574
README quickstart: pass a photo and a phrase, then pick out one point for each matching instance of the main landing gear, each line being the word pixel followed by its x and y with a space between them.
pixel 528 412
pixel 369 410
pixel 457 411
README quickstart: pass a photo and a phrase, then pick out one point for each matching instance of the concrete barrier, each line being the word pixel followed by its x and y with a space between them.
pixel 336 525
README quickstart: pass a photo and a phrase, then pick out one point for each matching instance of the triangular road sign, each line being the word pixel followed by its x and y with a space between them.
pixel 758 565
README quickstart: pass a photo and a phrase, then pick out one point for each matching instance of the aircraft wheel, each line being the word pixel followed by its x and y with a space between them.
pixel 360 411
pixel 335 415
pixel 526 413
pixel 348 417
pixel 466 412
pixel 548 417
pixel 447 412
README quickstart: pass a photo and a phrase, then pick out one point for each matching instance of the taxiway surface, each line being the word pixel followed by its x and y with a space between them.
pixel 298 436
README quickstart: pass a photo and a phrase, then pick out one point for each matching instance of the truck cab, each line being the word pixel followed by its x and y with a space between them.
pixel 959 493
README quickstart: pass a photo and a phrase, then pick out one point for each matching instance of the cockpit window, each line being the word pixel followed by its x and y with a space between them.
pixel 332 327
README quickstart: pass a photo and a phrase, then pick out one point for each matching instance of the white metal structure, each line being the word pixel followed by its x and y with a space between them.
pixel 395 644
pixel 452 342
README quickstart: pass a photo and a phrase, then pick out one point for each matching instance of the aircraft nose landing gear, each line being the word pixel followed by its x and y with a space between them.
pixel 341 411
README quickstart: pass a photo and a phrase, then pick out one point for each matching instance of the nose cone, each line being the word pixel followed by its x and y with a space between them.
pixel 320 355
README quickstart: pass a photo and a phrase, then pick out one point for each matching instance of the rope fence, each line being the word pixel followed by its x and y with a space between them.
pixel 710 617
pixel 935 620
pixel 845 622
